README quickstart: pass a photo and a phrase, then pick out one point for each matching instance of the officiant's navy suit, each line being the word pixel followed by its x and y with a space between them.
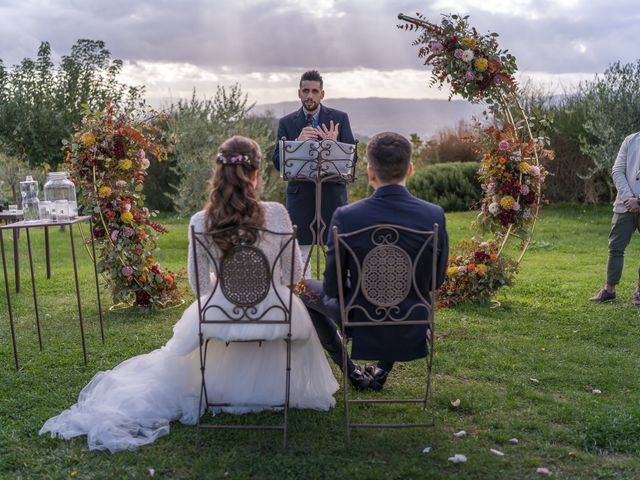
pixel 301 195
pixel 389 204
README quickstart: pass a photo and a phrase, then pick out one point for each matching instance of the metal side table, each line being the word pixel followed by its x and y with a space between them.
pixel 45 224
pixel 10 217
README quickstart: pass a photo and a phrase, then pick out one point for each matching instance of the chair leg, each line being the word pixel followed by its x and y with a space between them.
pixel 345 386
pixel 203 387
pixel 287 391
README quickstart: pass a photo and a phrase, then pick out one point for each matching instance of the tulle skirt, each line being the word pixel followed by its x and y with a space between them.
pixel 134 403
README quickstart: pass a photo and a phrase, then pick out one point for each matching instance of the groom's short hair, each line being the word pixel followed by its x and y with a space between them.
pixel 312 76
pixel 389 154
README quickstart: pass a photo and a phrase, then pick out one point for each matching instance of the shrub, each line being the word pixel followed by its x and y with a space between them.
pixel 453 186
pixel 198 127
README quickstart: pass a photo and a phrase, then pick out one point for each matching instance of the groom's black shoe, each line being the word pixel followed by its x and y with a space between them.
pixel 378 376
pixel 359 378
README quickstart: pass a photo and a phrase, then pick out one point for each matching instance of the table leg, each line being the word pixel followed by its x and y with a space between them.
pixel 95 272
pixel 75 275
pixel 47 252
pixel 33 287
pixel 8 293
pixel 16 257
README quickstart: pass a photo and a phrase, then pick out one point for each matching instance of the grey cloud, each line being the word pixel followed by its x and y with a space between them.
pixel 269 35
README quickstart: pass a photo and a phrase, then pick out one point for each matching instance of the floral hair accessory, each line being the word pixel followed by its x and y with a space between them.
pixel 236 159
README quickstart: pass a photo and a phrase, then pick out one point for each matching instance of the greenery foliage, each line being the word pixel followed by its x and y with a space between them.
pixel 198 126
pixel 12 172
pixel 544 329
pixel 612 104
pixel 41 102
pixel 454 186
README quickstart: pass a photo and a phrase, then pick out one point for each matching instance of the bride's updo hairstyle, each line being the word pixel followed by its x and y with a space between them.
pixel 233 200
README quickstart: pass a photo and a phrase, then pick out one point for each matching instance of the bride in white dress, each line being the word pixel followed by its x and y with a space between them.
pixel 134 403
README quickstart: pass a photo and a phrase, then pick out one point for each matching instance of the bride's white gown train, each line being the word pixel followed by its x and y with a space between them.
pixel 134 403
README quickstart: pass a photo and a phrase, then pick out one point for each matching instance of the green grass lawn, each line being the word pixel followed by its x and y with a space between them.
pixel 521 369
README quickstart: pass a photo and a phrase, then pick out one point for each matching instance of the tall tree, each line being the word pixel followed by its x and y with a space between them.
pixel 40 102
pixel 612 111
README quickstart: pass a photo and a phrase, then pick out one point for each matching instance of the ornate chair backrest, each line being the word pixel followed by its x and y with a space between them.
pixel 399 264
pixel 245 277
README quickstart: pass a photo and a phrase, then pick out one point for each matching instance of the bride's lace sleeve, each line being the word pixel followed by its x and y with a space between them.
pixel 203 278
pixel 284 224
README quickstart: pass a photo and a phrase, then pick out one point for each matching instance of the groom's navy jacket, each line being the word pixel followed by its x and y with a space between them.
pixel 390 204
pixel 301 196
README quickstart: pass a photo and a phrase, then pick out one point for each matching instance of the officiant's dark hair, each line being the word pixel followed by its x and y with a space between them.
pixel 233 200
pixel 389 154
pixel 311 76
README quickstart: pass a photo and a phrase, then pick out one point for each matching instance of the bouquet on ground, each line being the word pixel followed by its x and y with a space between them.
pixel 475 273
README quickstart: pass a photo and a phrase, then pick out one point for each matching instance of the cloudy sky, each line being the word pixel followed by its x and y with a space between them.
pixel 174 46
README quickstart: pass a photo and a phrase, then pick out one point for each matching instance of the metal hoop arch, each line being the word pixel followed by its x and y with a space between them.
pixel 509 100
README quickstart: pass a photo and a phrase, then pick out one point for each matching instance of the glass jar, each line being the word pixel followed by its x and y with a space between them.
pixel 30 202
pixel 59 187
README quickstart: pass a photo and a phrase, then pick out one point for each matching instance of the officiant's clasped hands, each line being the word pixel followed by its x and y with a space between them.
pixel 320 132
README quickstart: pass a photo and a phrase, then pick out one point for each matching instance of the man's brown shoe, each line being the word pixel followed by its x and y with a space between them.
pixel 635 300
pixel 603 296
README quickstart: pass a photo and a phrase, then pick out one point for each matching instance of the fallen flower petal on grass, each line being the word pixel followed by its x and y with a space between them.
pixel 543 471
pixel 595 391
pixel 455 403
pixel 426 450
pixel 152 472
pixel 513 441
pixel 497 452
pixel 460 434
pixel 458 458
pixel 534 380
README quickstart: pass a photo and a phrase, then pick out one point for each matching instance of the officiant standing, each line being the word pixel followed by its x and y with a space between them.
pixel 313 121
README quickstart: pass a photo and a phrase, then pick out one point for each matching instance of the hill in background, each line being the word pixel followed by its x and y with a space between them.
pixel 369 116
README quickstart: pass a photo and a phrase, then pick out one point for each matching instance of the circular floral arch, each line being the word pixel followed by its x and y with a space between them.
pixel 511 175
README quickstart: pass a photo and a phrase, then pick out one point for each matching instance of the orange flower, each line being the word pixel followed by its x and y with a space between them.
pixel 129 278
pixel 452 260
pixel 493 256
pixel 502 160
pixel 471 266
pixel 150 260
pixel 141 278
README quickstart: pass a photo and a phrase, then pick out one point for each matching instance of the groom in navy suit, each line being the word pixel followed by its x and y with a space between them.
pixel 389 165
pixel 313 121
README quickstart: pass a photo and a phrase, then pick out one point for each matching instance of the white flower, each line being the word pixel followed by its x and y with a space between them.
pixel 534 170
pixel 494 208
pixel 467 55
pixel 144 163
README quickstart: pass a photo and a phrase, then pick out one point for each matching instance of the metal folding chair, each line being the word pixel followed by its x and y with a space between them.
pixel 245 278
pixel 386 276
